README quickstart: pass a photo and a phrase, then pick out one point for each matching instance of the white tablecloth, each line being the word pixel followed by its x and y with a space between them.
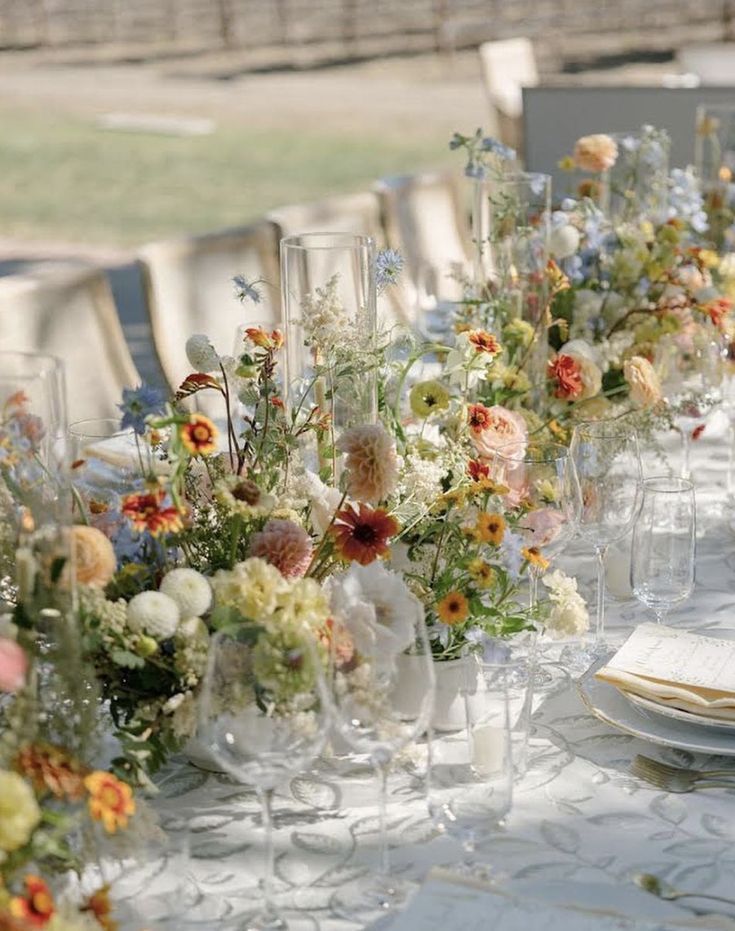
pixel 578 816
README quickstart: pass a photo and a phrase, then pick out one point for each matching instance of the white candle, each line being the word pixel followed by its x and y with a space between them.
pixel 489 748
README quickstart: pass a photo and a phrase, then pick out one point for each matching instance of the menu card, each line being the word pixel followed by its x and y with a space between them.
pixel 676 668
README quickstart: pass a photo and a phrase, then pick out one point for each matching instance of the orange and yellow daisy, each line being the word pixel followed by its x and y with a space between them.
pixel 100 906
pixel 36 907
pixel 534 557
pixel 453 608
pixel 478 417
pixel 484 342
pixel 148 512
pixel 490 528
pixel 482 573
pixel 362 536
pixel 199 435
pixel 110 800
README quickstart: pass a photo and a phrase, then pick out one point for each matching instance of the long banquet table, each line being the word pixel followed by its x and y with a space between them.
pixel 580 826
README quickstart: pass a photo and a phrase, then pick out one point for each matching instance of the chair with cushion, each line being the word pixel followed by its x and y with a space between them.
pixel 425 221
pixel 507 67
pixel 359 214
pixel 69 312
pixel 189 289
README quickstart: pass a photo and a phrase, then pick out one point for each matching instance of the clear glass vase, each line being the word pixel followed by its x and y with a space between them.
pixel 329 311
pixel 511 228
pixel 714 156
pixel 635 188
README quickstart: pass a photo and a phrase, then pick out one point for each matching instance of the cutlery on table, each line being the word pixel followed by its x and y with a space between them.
pixel 678 779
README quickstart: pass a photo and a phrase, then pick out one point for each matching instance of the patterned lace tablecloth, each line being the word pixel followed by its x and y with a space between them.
pixel 578 815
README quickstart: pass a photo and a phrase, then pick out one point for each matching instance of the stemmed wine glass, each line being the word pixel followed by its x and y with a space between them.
pixel 264 713
pixel 542 481
pixel 376 725
pixel 691 381
pixel 470 784
pixel 664 544
pixel 608 464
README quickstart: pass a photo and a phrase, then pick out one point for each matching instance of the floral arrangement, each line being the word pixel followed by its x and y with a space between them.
pixel 55 804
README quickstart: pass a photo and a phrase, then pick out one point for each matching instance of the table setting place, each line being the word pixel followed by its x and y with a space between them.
pixel 394 625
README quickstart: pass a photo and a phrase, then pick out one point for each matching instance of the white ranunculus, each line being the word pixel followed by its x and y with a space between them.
pixel 378 611
pixel 564 241
pixel 201 353
pixel 189 589
pixel 154 614
pixel 323 499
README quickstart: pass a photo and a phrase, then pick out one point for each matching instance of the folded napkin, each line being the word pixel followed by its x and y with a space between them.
pixel 676 668
pixel 119 452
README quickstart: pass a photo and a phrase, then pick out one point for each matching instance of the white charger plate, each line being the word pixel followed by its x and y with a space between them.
pixel 688 717
pixel 605 702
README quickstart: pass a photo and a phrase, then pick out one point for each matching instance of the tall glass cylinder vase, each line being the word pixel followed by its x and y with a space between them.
pixel 511 225
pixel 714 154
pixel 37 577
pixel 329 310
pixel 635 188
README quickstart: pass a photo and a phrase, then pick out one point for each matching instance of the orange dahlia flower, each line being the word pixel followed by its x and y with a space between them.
pixel 110 800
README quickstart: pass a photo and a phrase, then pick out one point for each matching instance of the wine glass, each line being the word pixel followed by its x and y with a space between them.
pixel 375 723
pixel 264 714
pixel 608 464
pixel 542 482
pixel 691 381
pixel 470 781
pixel 664 544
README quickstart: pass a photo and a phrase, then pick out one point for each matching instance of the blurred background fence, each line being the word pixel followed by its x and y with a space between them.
pixel 306 33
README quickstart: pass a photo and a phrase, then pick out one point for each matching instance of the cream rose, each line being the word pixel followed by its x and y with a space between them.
pixel 94 556
pixel 502 428
pixel 644 384
pixel 595 153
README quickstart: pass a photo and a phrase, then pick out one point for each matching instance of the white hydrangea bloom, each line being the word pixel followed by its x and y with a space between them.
pixel 568 616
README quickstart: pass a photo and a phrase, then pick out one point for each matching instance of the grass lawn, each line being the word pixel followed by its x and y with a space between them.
pixel 63 178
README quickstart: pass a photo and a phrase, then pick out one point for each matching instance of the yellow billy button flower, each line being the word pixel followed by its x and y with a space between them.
pixel 427 397
pixel 490 528
pixel 110 800
pixel 534 557
pixel 483 574
pixel 453 608
pixel 199 435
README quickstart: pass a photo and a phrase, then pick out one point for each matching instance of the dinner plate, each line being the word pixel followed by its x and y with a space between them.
pixel 605 702
pixel 689 717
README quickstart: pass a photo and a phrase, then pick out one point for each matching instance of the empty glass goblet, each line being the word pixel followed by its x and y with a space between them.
pixel 264 713
pixel 664 545
pixel 608 467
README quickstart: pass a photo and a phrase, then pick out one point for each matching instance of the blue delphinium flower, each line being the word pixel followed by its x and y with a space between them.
pixel 388 268
pixel 246 290
pixel 139 404
pixel 495 147
pixel 685 199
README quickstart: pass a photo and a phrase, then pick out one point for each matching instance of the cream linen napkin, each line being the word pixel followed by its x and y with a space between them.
pixel 676 668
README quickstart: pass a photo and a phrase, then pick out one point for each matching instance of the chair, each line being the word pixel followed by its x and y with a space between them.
pixel 347 213
pixel 69 312
pixel 507 67
pixel 424 220
pixel 188 289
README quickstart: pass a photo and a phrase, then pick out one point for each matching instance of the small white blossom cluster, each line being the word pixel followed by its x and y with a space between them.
pixel 568 615
pixel 324 319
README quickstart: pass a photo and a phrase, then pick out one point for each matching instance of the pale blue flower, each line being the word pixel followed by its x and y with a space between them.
pixel 495 147
pixel 388 267
pixel 138 404
pixel 246 290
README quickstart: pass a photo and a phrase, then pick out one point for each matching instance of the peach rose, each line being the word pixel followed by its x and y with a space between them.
pixel 94 556
pixel 543 525
pixel 501 427
pixel 595 153
pixel 576 377
pixel 644 384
